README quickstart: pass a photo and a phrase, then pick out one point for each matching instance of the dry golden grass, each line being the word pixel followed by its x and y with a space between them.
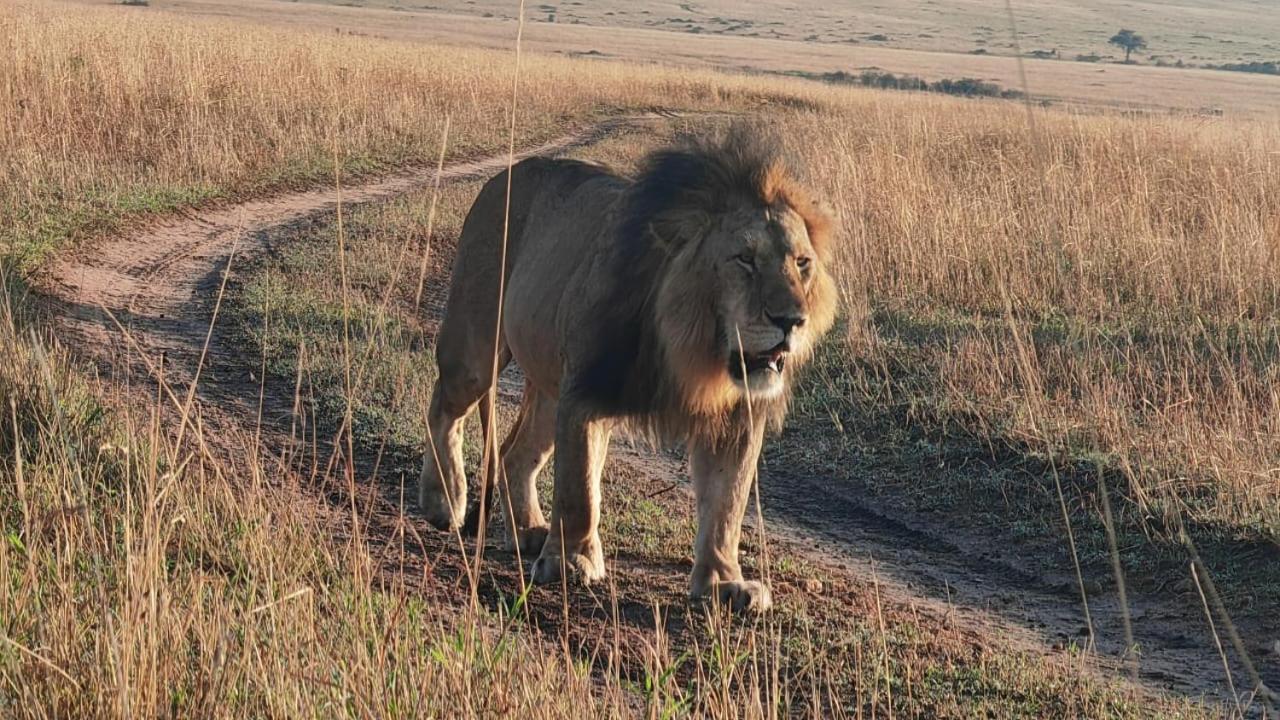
pixel 1145 88
pixel 140 579
pixel 1210 30
pixel 1097 288
pixel 114 114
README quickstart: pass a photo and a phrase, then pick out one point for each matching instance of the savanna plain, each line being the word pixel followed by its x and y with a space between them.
pixel 1032 473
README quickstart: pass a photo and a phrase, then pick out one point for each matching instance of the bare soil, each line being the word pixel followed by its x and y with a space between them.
pixel 161 284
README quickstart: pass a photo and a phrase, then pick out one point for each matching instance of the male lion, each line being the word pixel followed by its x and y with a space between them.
pixel 677 305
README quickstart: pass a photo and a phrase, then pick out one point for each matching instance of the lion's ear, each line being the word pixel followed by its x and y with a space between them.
pixel 819 221
pixel 825 209
pixel 818 215
pixel 676 228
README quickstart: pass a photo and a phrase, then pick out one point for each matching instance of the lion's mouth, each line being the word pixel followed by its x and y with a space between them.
pixel 772 360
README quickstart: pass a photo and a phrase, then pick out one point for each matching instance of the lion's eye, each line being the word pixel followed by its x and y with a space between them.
pixel 803 263
pixel 746 260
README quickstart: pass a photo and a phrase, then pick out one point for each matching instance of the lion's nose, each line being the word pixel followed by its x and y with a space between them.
pixel 786 322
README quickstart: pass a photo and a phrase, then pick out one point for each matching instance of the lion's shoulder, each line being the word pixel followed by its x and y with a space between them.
pixel 562 174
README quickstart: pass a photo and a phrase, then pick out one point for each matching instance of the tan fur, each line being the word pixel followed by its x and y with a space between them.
pixel 655 306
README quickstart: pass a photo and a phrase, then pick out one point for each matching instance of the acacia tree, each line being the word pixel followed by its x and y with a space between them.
pixel 1130 41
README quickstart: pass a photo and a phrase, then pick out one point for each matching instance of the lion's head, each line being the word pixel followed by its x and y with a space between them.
pixel 740 252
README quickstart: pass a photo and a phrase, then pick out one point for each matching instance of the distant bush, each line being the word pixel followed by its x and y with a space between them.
pixel 965 87
pixel 1270 67
pixel 873 78
pixel 135 3
pixel 971 87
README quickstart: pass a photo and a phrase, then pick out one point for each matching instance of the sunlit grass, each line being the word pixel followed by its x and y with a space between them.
pixel 1101 290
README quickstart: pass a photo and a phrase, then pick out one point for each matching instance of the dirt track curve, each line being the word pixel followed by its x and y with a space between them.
pixel 160 281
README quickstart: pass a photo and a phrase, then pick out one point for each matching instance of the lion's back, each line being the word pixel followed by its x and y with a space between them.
pixel 549 199
pixel 570 209
pixel 556 225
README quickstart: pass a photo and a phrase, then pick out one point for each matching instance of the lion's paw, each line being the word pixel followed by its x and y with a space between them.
pixel 529 540
pixel 438 511
pixel 587 570
pixel 744 595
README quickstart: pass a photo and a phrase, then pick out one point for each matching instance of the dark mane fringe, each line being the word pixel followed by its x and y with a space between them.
pixel 697 177
pixel 672 201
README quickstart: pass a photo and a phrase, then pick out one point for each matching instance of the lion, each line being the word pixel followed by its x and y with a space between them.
pixel 677 305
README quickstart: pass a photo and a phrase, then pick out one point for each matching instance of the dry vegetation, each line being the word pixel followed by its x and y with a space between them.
pixel 140 580
pixel 1098 291
pixel 111 114
pixel 1192 31
pixel 1141 88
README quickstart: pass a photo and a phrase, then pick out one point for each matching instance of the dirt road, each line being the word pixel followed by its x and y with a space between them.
pixel 161 284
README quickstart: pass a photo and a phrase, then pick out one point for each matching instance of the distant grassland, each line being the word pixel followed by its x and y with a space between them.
pixel 1192 30
pixel 938 43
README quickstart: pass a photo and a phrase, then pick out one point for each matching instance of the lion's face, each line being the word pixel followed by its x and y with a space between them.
pixel 766 267
pixel 744 293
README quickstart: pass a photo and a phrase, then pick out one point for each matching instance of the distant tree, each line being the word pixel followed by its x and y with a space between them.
pixel 1130 41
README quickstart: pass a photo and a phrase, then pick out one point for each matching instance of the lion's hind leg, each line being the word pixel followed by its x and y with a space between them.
pixel 466 374
pixel 524 454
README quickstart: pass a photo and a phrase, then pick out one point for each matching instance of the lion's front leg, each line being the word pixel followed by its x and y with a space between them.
pixel 722 479
pixel 582 442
